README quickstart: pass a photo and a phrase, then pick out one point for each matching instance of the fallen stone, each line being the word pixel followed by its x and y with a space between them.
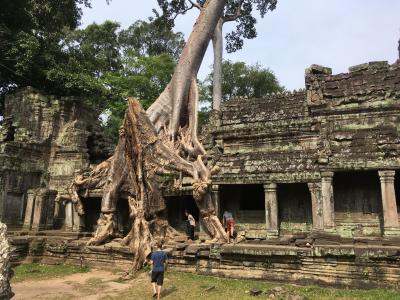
pixel 255 292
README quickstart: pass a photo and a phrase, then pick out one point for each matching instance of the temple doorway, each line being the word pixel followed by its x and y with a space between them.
pixel 247 204
pixel 397 189
pixel 294 208
pixel 358 204
pixel 123 219
pixel 176 206
pixel 92 207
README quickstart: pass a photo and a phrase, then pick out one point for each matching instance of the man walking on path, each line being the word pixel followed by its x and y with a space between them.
pixel 158 262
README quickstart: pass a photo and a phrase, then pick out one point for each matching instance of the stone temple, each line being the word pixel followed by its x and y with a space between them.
pixel 312 178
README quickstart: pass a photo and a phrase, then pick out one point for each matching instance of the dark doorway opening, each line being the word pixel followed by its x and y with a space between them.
pixel 397 189
pixel 246 202
pixel 294 207
pixel 176 206
pixel 358 203
pixel 92 207
pixel 123 219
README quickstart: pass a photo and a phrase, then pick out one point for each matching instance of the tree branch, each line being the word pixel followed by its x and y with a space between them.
pixel 236 15
pixel 195 4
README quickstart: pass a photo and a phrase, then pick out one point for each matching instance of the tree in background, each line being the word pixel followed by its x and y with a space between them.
pixel 30 32
pixel 238 80
pixel 240 11
pixel 100 63
pixel 152 38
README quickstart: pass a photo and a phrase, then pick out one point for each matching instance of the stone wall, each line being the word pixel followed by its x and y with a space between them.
pixel 43 142
pixel 340 123
pixel 362 264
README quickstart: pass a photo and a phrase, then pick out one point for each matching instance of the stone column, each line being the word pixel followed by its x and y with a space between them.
pixel 68 216
pixel 78 221
pixel 30 205
pixel 38 209
pixel 328 201
pixel 271 210
pixel 390 216
pixel 216 200
pixel 316 204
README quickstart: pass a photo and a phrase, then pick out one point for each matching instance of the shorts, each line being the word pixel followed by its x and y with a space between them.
pixel 157 277
pixel 230 224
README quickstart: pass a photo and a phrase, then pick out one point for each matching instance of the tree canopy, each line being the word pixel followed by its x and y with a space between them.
pixel 30 31
pixel 44 48
pixel 242 80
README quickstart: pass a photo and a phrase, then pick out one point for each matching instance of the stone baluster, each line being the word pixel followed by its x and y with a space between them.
pixel 29 210
pixel 390 215
pixel 271 210
pixel 216 199
pixel 69 216
pixel 328 200
pixel 316 206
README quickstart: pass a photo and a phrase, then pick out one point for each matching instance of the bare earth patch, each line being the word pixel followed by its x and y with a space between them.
pixel 95 284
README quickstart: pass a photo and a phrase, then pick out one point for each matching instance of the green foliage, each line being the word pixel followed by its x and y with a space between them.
pixel 42 47
pixel 152 38
pixel 37 271
pixel 30 33
pixel 242 80
pixel 240 11
pixel 143 77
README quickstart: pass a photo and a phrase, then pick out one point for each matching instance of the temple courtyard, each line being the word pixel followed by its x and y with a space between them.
pixel 35 281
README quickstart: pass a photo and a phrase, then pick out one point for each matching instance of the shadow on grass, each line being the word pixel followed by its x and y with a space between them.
pixel 169 291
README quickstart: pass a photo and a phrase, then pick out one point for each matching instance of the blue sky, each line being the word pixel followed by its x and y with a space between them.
pixel 336 33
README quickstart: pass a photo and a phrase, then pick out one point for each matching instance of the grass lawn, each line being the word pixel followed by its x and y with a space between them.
pixel 181 286
pixel 190 286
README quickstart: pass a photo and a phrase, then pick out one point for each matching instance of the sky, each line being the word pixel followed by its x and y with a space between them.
pixel 336 34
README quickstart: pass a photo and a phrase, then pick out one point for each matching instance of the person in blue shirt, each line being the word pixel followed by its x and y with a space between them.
pixel 158 262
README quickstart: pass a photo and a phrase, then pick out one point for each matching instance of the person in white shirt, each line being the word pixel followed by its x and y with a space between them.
pixel 191 223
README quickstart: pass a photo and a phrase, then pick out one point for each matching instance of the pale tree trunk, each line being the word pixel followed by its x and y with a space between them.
pixel 161 141
pixel 217 67
pixel 5 264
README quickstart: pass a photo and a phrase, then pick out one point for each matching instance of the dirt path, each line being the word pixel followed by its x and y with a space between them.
pixel 96 284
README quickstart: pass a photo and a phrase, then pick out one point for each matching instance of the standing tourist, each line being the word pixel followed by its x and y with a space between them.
pixel 158 262
pixel 229 224
pixel 191 223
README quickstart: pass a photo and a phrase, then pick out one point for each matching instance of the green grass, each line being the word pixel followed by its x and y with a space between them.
pixel 190 286
pixel 37 271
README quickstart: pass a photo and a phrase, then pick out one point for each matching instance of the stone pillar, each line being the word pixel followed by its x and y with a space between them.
pixel 30 204
pixel 216 200
pixel 271 210
pixel 77 221
pixel 69 216
pixel 390 216
pixel 38 209
pixel 316 205
pixel 328 201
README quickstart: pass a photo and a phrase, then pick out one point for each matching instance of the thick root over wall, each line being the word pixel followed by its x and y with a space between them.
pixel 161 141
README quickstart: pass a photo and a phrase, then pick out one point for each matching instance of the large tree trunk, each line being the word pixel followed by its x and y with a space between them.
pixel 161 141
pixel 5 264
pixel 217 67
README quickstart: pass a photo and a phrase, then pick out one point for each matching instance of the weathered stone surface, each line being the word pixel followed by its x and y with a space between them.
pixel 339 125
pixel 5 266
pixel 44 140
